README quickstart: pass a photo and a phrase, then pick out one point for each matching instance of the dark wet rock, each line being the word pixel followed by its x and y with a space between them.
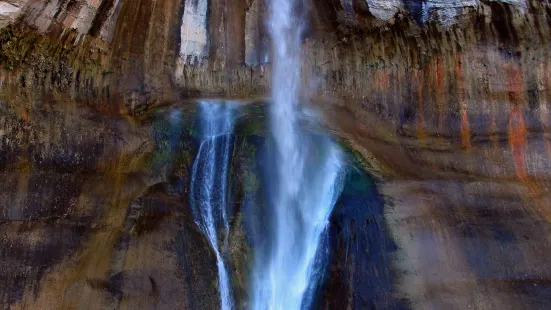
pixel 360 273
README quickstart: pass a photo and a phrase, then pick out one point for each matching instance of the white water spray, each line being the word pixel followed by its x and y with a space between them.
pixel 307 180
pixel 208 188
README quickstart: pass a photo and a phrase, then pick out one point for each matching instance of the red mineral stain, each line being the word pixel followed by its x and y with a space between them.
pixel 517 141
pixel 465 130
pixel 465 127
pixel 517 127
pixel 25 115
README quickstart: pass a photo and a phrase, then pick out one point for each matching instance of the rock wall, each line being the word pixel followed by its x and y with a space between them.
pixel 447 100
pixel 157 50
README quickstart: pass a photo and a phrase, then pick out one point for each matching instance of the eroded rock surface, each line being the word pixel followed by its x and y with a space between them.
pixel 448 102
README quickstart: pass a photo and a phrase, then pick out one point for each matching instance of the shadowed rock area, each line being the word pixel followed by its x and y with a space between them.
pixel 444 106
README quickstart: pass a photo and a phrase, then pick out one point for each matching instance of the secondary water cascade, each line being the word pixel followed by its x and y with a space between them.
pixel 209 182
pixel 305 184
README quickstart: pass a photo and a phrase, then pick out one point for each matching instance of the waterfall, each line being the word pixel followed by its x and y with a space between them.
pixel 306 182
pixel 208 190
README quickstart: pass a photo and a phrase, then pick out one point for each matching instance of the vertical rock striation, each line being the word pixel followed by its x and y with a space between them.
pixel 448 101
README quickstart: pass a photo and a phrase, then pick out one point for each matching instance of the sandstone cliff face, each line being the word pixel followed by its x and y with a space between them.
pixel 447 100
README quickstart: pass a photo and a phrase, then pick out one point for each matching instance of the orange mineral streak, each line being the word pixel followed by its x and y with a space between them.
pixel 465 127
pixel 518 142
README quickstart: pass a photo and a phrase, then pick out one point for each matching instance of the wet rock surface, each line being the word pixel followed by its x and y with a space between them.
pixel 361 273
pixel 99 231
pixel 119 233
pixel 447 102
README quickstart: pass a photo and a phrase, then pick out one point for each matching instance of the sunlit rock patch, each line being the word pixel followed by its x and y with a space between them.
pixel 193 32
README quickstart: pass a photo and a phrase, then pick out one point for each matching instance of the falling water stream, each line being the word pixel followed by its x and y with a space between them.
pixel 306 183
pixel 305 180
pixel 208 188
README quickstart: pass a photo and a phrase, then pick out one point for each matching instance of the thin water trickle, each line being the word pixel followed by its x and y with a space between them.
pixel 208 190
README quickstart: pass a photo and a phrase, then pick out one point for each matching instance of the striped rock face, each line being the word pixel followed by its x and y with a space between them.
pixel 9 11
pixel 447 102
